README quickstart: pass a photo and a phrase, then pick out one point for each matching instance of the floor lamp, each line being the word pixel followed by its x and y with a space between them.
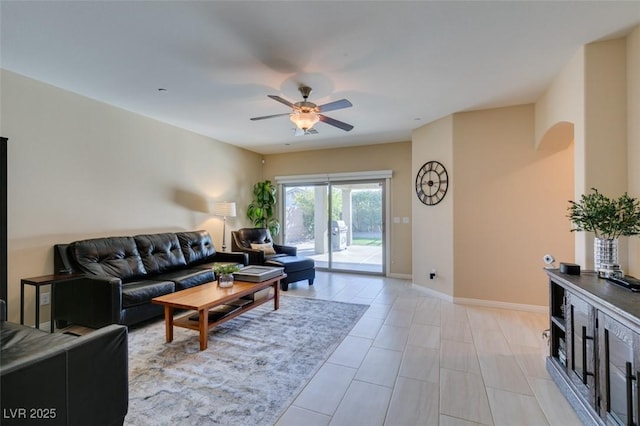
pixel 225 209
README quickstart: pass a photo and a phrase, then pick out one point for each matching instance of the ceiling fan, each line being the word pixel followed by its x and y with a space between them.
pixel 306 114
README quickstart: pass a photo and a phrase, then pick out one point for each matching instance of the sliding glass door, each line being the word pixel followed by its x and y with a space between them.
pixel 339 224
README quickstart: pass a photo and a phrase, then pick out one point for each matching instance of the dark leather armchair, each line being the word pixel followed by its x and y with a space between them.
pixel 296 267
pixel 60 379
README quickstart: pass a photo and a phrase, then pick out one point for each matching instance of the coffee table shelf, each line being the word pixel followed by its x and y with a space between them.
pixel 207 296
pixel 186 322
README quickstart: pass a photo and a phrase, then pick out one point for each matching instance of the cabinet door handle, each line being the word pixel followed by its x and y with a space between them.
pixel 630 378
pixel 585 373
pixel 607 371
pixel 638 396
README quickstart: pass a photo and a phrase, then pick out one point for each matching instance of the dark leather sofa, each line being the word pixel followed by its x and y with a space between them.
pixel 297 268
pixel 60 379
pixel 123 274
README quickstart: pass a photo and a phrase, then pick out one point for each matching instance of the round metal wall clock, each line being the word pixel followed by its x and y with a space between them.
pixel 432 182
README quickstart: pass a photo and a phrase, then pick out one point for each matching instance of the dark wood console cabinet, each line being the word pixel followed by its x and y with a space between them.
pixel 594 347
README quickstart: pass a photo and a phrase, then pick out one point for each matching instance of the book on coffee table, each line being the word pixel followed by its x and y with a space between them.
pixel 240 302
pixel 256 274
pixel 217 312
pixel 258 295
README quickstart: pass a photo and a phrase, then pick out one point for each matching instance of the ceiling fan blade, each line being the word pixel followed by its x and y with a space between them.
pixel 282 101
pixel 332 106
pixel 333 122
pixel 269 116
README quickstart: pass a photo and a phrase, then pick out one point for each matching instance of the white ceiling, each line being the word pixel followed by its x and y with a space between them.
pixel 401 64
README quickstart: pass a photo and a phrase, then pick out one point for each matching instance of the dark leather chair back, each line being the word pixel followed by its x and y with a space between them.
pixel 246 236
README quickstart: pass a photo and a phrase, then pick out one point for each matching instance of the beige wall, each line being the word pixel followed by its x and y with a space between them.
pixel 510 205
pixel 605 116
pixel 510 200
pixel 80 169
pixel 433 225
pixel 633 136
pixel 563 102
pixel 594 92
pixel 505 209
pixel 605 158
pixel 392 156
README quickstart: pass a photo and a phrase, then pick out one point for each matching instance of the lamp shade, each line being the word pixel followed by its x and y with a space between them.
pixel 224 208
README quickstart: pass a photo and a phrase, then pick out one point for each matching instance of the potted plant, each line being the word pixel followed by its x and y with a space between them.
pixel 262 209
pixel 608 219
pixel 224 272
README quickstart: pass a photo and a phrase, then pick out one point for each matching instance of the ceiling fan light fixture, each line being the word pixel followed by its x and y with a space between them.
pixel 306 114
pixel 304 120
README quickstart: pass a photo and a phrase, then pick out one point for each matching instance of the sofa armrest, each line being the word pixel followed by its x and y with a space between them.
pixel 256 257
pixel 68 380
pixel 92 301
pixel 290 250
pixel 98 377
pixel 37 381
pixel 234 256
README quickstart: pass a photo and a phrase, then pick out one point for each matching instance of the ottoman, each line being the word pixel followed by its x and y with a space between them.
pixel 297 269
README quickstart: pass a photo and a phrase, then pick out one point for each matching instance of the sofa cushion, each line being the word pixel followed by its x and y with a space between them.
pixel 186 278
pixel 197 246
pixel 141 292
pixel 114 256
pixel 292 263
pixel 160 252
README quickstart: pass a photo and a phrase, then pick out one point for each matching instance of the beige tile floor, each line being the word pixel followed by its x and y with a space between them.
pixel 413 359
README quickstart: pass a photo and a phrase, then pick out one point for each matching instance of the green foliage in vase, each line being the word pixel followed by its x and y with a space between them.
pixel 607 218
pixel 225 269
pixel 262 209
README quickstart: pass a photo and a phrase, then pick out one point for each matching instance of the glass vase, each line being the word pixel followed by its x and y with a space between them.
pixel 225 280
pixel 605 254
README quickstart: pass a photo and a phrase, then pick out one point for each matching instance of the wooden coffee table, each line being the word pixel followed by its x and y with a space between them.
pixel 207 296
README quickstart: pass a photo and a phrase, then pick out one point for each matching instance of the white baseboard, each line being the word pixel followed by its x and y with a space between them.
pixel 501 305
pixel 484 303
pixel 401 276
pixel 434 293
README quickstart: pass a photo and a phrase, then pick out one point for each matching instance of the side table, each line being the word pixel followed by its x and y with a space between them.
pixel 38 282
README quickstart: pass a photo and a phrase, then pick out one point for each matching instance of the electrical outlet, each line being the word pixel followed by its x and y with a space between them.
pixel 45 299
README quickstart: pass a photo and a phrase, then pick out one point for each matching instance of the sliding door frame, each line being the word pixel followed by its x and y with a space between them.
pixel 341 178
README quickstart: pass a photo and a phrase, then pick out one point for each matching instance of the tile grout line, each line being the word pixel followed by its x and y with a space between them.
pixel 475 350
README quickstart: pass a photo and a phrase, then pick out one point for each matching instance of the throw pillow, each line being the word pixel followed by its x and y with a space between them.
pixel 267 248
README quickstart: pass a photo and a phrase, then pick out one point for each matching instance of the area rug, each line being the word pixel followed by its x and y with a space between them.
pixel 253 368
